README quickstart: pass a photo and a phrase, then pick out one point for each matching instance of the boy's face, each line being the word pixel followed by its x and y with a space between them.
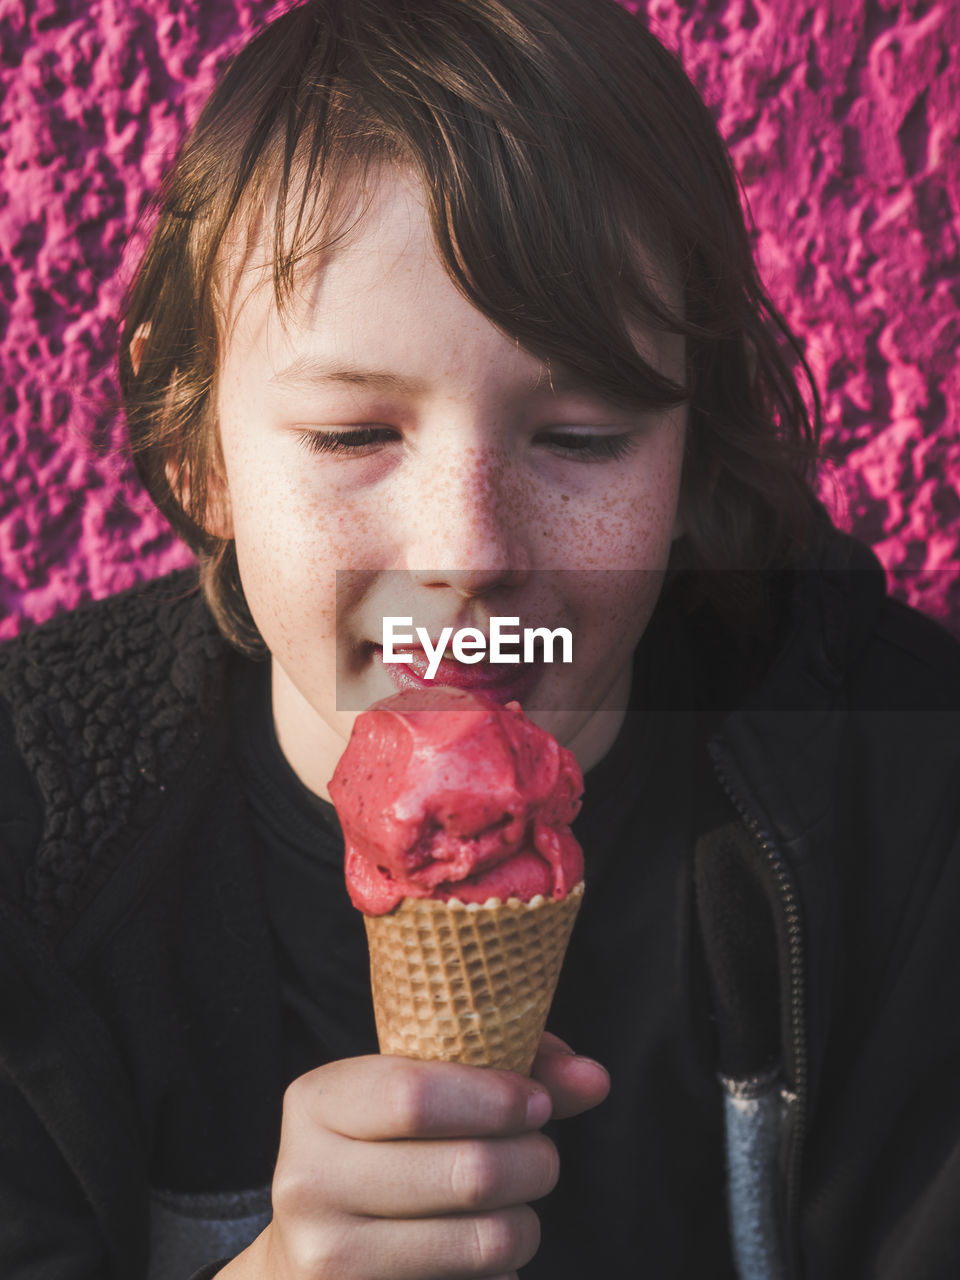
pixel 457 477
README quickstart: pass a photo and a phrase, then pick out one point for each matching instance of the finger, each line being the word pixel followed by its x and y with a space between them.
pixel 574 1083
pixel 464 1247
pixel 549 1043
pixel 425 1179
pixel 382 1098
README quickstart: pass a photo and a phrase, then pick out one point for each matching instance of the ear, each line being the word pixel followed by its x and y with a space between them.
pixel 217 516
pixel 137 344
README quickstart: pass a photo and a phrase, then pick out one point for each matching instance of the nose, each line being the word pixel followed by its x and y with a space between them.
pixel 469 526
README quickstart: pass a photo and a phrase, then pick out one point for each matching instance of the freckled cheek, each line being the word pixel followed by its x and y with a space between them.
pixel 296 519
pixel 621 528
pixel 292 538
pixel 639 515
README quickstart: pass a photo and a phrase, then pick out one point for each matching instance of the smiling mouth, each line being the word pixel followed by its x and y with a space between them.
pixel 504 682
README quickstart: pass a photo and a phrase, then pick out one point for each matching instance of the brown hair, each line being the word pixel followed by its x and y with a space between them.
pixel 552 138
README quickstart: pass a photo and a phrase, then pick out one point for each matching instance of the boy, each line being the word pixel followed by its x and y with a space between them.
pixel 450 311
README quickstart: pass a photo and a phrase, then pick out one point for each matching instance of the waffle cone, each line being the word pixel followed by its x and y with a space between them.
pixel 468 982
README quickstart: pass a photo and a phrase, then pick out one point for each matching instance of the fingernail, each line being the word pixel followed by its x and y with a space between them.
pixel 592 1062
pixel 539 1107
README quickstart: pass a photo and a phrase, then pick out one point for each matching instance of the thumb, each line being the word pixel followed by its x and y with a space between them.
pixel 575 1084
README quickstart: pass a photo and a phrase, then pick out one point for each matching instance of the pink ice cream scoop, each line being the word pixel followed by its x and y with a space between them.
pixel 444 793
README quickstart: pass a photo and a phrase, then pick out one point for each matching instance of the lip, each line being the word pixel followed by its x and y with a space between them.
pixel 508 682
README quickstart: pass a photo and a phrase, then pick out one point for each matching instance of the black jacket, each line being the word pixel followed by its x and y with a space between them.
pixel 828 891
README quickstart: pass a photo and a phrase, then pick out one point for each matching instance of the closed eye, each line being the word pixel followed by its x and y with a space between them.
pixel 589 446
pixel 581 445
pixel 356 441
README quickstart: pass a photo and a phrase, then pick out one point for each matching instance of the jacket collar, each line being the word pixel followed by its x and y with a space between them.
pixel 780 745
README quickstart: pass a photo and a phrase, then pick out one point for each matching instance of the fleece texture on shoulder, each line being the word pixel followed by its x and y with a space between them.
pixel 107 705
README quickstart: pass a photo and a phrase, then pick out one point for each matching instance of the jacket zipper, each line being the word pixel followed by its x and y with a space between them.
pixel 790 905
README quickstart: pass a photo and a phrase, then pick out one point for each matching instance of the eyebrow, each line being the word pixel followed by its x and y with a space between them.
pixel 315 371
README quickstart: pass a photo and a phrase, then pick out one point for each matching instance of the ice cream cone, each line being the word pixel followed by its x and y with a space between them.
pixel 470 982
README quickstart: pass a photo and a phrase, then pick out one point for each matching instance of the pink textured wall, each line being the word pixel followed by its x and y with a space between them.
pixel 843 117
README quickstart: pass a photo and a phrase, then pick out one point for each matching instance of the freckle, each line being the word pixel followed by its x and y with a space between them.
pixel 564 497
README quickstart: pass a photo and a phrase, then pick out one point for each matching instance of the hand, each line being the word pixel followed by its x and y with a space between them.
pixel 392 1169
pixel 575 1084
